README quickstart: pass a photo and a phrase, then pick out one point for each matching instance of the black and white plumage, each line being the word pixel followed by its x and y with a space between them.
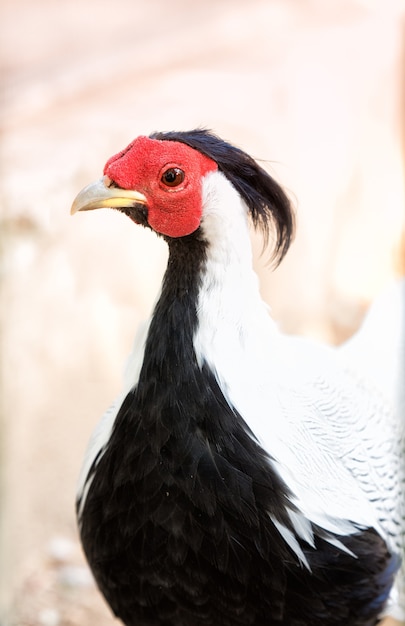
pixel 242 477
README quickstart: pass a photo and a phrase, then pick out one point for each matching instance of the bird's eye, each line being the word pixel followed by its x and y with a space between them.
pixel 172 177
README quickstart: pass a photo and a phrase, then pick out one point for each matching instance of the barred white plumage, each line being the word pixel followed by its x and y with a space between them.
pixel 242 476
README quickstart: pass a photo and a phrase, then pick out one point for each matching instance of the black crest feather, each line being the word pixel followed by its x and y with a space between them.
pixel 268 204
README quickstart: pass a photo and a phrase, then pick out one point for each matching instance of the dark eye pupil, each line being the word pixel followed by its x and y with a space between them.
pixel 170 176
pixel 173 176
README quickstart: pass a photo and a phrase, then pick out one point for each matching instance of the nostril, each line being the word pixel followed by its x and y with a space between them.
pixel 108 182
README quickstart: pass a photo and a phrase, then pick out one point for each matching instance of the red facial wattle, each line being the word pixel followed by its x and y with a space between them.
pixel 169 174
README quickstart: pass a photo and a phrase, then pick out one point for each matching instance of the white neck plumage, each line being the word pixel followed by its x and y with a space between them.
pixel 235 328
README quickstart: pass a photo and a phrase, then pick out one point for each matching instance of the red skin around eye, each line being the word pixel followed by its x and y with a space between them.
pixel 172 211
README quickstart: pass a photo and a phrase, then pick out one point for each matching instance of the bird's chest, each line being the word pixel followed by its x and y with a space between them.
pixel 153 524
pixel 175 517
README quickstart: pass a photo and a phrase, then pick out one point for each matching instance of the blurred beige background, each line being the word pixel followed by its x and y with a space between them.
pixel 314 88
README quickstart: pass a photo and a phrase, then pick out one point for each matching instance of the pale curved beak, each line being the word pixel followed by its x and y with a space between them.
pixel 101 195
